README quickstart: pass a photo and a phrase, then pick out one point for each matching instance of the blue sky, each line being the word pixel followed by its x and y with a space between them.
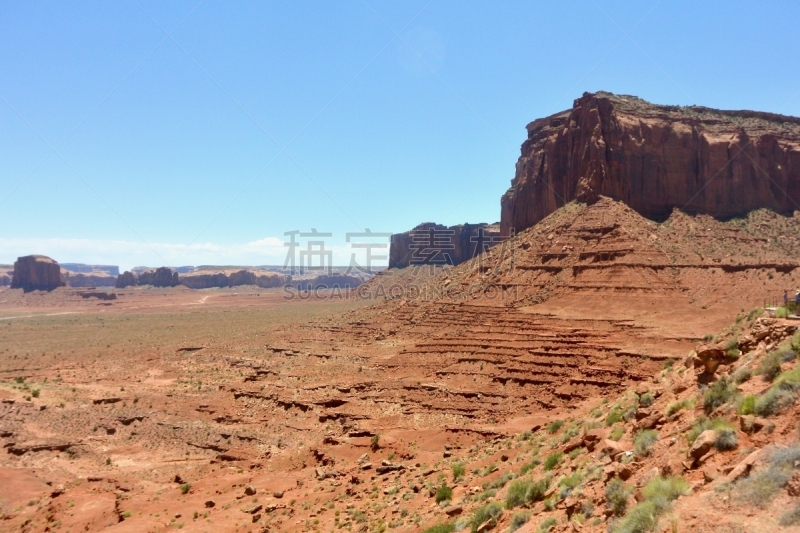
pixel 130 130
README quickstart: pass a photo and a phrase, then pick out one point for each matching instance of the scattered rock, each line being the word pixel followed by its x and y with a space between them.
pixel 703 444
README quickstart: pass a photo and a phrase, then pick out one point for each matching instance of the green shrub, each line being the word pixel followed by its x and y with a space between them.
pixel 459 469
pixel 773 401
pixel 680 405
pixel 547 524
pixel 781 312
pixel 552 460
pixel 568 483
pixel 500 482
pixel 516 494
pixel 643 441
pixel 617 496
pixel 441 528
pixel 185 488
pixel 718 393
pixel 659 493
pixel 760 488
pixel 747 406
pixel 770 366
pixel 374 442
pixel 789 380
pixel 614 416
pixel 647 399
pixel 444 493
pixel 617 433
pixel 642 518
pixel 519 520
pixel 742 375
pixel 35 393
pixel 755 313
pixel 554 426
pixel 488 513
pixel 576 452
pixel 529 466
pixel 790 518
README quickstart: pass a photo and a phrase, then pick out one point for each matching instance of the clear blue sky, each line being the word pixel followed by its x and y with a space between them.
pixel 252 119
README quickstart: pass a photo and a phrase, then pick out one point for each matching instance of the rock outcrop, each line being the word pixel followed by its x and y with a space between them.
pixel 36 272
pixel 160 277
pixel 6 273
pixel 126 279
pixel 431 243
pixel 655 158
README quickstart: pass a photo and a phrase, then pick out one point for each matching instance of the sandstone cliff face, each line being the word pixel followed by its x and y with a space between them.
pixel 36 272
pixel 655 158
pixel 431 243
pixel 91 279
pixel 6 273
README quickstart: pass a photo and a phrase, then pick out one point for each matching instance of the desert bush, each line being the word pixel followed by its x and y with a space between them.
pixel 781 312
pixel 614 416
pixel 718 393
pixel 552 460
pixel 35 393
pixel 554 426
pixel 742 375
pixel 458 469
pixel 770 366
pixel 680 405
pixel 659 493
pixel 547 524
pixel 374 442
pixel 443 493
pixel 489 512
pixel 519 520
pixel 500 482
pixel 576 452
pixel 791 517
pixel 755 313
pixel 708 337
pixel 773 401
pixel 747 406
pixel 550 504
pixel 517 492
pixel 441 528
pixel 185 488
pixel 726 440
pixel 617 433
pixel 617 496
pixel 529 466
pixel 568 483
pixel 732 343
pixel 642 518
pixel 789 380
pixel 643 441
pixel 760 488
pixel 647 399
pixel 523 492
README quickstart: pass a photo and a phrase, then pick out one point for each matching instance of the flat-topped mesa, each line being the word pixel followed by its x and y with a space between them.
pixel 431 243
pixel 655 158
pixel 36 272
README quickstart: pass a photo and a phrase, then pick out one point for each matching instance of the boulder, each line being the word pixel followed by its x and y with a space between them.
pixel 36 273
pixel 703 444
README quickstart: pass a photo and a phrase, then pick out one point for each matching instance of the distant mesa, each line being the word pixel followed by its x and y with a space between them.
pixel 111 270
pixel 431 243
pixel 85 280
pixel 211 278
pixel 6 273
pixel 655 158
pixel 36 273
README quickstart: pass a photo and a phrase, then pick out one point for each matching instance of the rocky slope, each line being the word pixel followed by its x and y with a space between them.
pixel 431 243
pixel 655 158
pixel 36 272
